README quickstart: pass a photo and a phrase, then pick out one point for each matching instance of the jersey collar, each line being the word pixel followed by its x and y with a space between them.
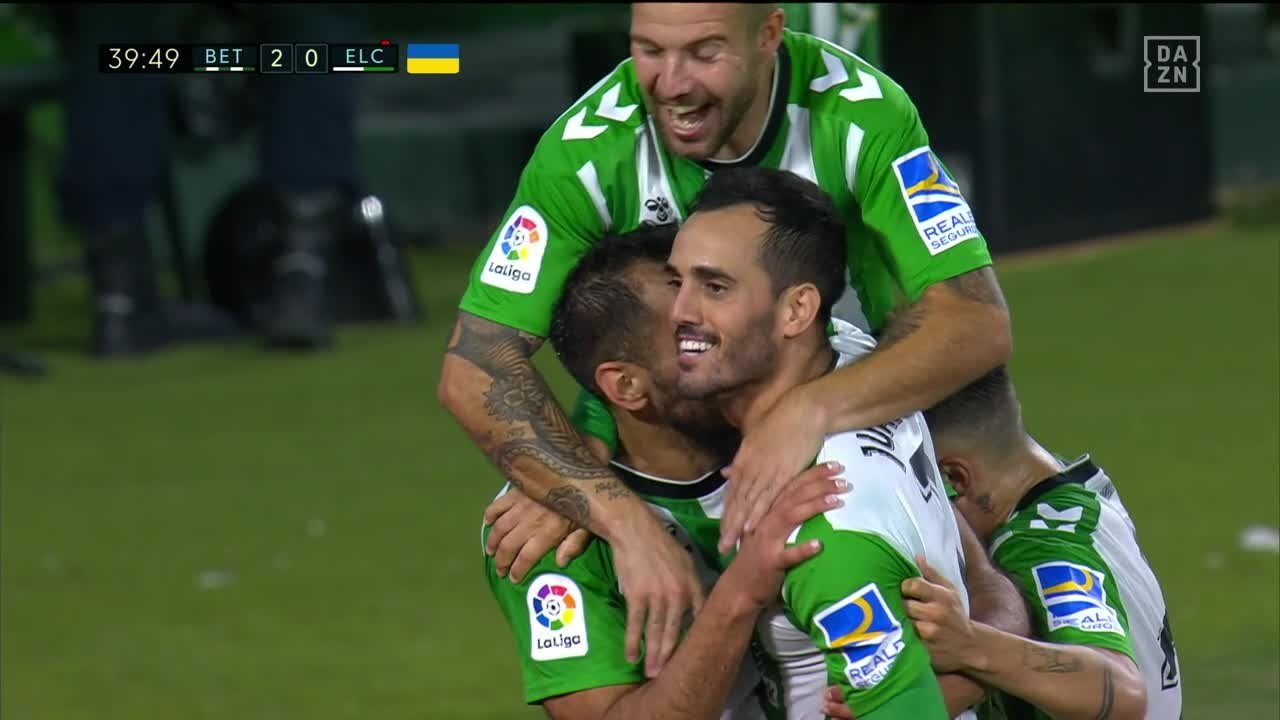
pixel 654 486
pixel 773 124
pixel 1077 473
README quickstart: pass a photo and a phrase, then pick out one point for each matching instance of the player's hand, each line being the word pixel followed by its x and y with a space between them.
pixel 765 556
pixel 940 619
pixel 658 580
pixel 833 705
pixel 524 531
pixel 770 455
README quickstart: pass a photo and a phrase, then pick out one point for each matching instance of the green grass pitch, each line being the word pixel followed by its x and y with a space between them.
pixel 216 532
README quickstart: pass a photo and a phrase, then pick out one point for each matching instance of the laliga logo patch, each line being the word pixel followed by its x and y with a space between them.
pixel 863 629
pixel 557 618
pixel 940 212
pixel 516 257
pixel 1074 596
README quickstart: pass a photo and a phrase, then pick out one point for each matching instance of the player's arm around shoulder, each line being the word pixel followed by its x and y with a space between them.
pixel 1080 662
pixel 911 209
pixel 568 624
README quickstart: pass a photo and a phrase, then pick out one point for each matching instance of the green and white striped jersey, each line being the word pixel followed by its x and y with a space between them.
pixel 1072 549
pixel 570 623
pixel 841 620
pixel 833 118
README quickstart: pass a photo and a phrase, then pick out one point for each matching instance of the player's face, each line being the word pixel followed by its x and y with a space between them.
pixel 698 65
pixel 725 312
pixel 972 481
pixel 658 294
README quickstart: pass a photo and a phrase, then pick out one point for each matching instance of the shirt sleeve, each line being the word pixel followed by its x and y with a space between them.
pixel 568 624
pixel 914 207
pixel 592 417
pixel 1071 593
pixel 517 279
pixel 848 598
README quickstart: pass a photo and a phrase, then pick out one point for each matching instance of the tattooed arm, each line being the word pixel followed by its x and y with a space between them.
pixel 489 384
pixel 957 331
pixel 1069 682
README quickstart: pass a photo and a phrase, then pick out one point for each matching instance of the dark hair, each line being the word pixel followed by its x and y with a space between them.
pixel 805 242
pixel 986 410
pixel 600 315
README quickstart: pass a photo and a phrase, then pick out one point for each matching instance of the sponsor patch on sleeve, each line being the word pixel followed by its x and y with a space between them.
pixel 1075 596
pixel 557 618
pixel 863 629
pixel 941 214
pixel 517 255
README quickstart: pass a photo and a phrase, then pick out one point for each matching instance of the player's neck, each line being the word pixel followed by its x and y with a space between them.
pixel 800 361
pixel 662 451
pixel 1033 465
pixel 751 129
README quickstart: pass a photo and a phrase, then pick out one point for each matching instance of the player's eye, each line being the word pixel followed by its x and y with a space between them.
pixel 707 52
pixel 674 283
pixel 716 288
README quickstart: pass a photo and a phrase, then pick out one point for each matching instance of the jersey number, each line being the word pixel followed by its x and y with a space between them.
pixel 1169 669
pixel 925 472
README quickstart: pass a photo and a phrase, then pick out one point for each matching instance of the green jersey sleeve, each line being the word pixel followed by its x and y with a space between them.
pixel 568 623
pixel 517 279
pixel 592 417
pixel 848 599
pixel 1071 593
pixel 913 206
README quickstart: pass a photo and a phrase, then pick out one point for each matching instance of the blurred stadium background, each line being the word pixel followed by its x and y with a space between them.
pixel 220 532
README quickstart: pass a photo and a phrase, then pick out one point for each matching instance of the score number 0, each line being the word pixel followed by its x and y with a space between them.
pixel 311 58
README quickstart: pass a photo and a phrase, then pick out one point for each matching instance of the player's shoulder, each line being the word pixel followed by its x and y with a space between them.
pixel 601 125
pixel 877 462
pixel 1065 516
pixel 831 81
pixel 591 571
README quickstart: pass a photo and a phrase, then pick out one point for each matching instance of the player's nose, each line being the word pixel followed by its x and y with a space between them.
pixel 685 310
pixel 674 80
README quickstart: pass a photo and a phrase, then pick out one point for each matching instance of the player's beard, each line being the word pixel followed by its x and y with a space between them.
pixel 735 364
pixel 730 112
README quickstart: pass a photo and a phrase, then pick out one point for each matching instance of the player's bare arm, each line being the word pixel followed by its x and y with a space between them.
pixel 695 683
pixel 489 384
pixel 993 600
pixel 956 332
pixel 1070 682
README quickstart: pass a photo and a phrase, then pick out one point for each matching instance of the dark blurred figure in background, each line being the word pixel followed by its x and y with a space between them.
pixel 116 150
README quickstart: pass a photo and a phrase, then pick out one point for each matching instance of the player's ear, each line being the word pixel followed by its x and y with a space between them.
pixel 771 19
pixel 623 384
pixel 958 473
pixel 800 306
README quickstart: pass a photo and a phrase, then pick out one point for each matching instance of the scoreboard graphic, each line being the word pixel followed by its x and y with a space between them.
pixel 279 58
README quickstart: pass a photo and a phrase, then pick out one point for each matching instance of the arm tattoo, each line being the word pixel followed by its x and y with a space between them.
pixel 978 286
pixel 528 422
pixel 1108 694
pixel 1048 660
pixel 612 489
pixel 902 323
pixel 570 502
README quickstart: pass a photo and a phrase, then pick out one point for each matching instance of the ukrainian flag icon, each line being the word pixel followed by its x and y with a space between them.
pixel 428 59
